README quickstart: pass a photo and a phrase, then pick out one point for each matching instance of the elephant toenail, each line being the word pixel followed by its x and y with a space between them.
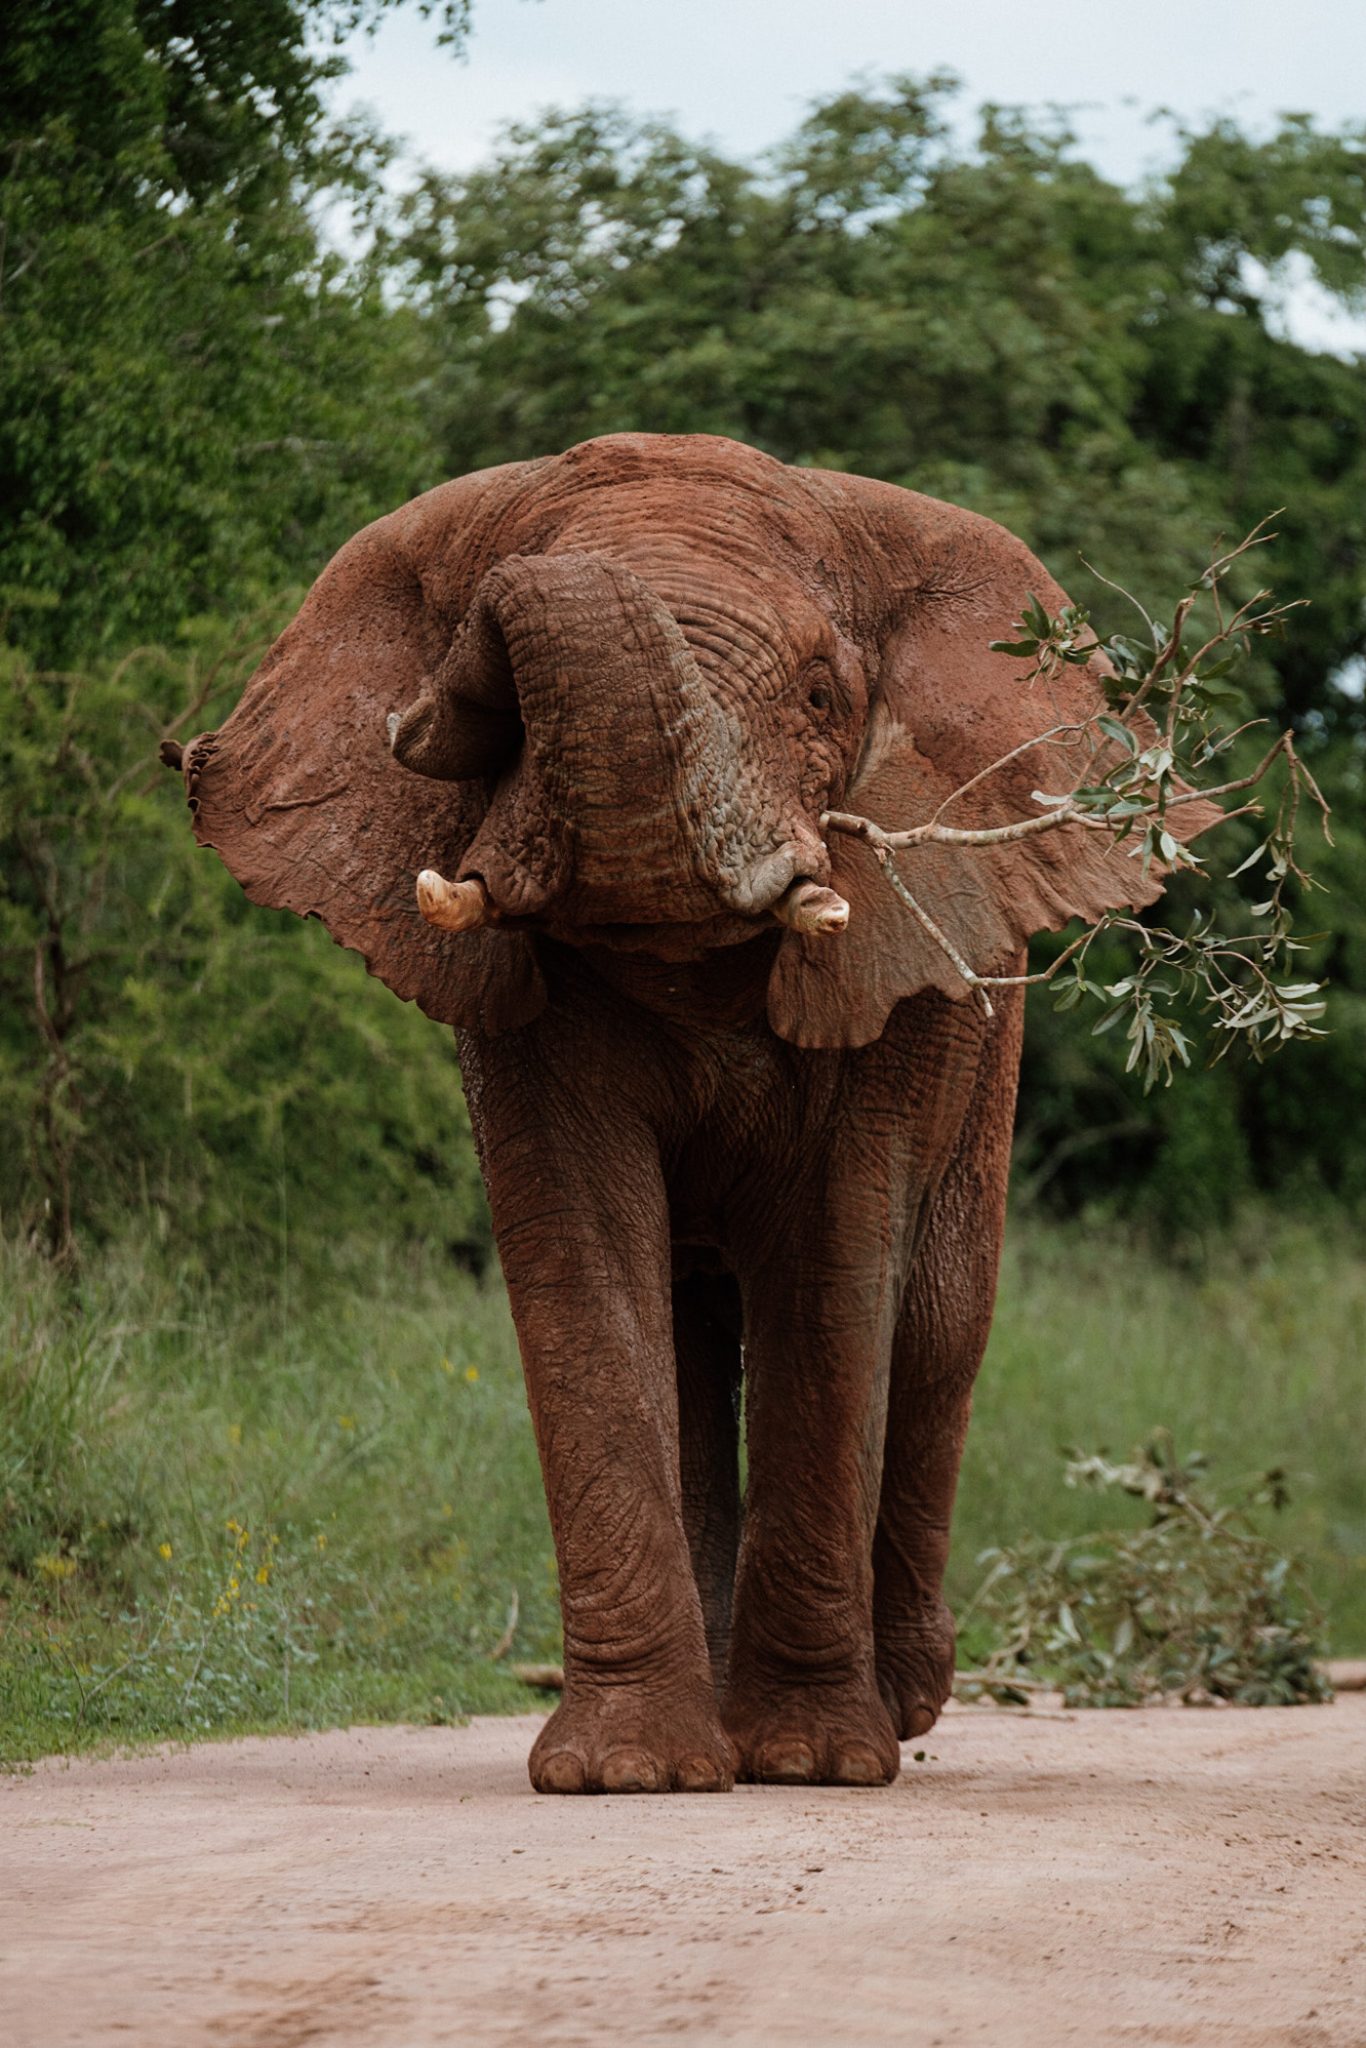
pixel 859 1766
pixel 561 1771
pixel 701 1774
pixel 786 1763
pixel 919 1721
pixel 629 1770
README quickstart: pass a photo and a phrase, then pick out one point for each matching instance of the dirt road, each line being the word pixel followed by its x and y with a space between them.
pixel 1164 1878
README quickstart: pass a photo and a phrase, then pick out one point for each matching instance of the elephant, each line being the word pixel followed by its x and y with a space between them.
pixel 741 1121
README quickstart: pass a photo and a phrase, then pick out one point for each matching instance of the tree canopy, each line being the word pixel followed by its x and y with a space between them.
pixel 986 319
pixel 202 396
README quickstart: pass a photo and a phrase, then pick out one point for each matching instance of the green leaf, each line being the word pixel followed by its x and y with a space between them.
pixel 1116 730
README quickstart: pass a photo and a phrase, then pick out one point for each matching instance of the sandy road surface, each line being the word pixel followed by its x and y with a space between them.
pixel 1170 1878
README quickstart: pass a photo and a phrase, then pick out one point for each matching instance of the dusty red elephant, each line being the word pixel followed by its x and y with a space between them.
pixel 712 1123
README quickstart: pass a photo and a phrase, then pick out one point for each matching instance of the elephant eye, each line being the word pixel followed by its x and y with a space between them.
pixel 819 699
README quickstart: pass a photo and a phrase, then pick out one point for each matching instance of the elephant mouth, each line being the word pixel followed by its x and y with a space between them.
pixel 800 904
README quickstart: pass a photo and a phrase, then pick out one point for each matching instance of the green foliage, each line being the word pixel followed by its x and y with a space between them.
pixel 155 1399
pixel 198 403
pixel 291 1496
pixel 1149 760
pixel 190 383
pixel 1197 1605
pixel 199 400
pixel 165 1045
pixel 1252 1350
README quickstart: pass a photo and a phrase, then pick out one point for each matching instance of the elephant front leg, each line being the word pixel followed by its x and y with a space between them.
pixel 584 1245
pixel 940 1339
pixel 941 1335
pixel 802 1703
pixel 707 1343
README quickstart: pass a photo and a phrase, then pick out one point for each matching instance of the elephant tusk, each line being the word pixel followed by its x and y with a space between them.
pixel 452 906
pixel 807 907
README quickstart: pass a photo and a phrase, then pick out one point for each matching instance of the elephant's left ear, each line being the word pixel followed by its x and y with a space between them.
pixel 301 797
pixel 946 709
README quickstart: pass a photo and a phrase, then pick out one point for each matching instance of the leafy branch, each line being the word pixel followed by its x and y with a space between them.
pixel 1148 758
pixel 1196 1605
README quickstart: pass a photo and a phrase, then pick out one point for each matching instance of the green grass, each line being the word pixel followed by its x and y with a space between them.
pixel 293 1499
pixel 1255 1357
pixel 255 1505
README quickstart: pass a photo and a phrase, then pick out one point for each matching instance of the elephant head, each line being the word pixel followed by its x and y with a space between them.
pixel 607 697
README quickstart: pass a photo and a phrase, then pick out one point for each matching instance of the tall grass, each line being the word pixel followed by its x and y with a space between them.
pixel 1255 1355
pixel 274 1500
pixel 303 1496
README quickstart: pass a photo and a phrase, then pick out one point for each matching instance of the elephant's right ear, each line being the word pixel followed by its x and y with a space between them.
pixel 951 716
pixel 299 794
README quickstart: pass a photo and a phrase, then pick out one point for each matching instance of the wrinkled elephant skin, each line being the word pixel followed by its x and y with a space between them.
pixel 599 703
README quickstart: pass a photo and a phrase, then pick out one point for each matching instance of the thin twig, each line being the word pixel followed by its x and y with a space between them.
pixel 505 1640
pixel 1061 814
pixel 941 938
pixel 994 767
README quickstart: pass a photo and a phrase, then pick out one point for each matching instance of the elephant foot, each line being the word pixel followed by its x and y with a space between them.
pixel 915 1662
pixel 813 1735
pixel 598 1741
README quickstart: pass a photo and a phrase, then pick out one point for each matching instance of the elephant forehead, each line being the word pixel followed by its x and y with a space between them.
pixel 741 619
pixel 764 519
pixel 734 623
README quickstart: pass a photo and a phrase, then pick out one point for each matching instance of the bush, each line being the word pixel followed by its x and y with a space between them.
pixel 1196 1605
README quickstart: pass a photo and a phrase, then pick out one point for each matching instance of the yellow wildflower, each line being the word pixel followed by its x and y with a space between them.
pixel 346 1422
pixel 164 1550
pixel 53 1565
pixel 263 1575
pixel 471 1375
pixel 234 1433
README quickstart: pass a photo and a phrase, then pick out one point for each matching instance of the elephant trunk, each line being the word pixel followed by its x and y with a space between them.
pixel 623 803
pixel 467 722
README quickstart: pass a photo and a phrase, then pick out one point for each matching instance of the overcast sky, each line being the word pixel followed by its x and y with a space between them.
pixel 740 72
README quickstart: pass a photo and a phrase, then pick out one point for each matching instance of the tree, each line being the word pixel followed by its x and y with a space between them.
pixel 195 393
pixel 993 322
pixel 199 402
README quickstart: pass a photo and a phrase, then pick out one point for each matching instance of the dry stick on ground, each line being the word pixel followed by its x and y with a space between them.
pixel 505 1640
pixel 540 1677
